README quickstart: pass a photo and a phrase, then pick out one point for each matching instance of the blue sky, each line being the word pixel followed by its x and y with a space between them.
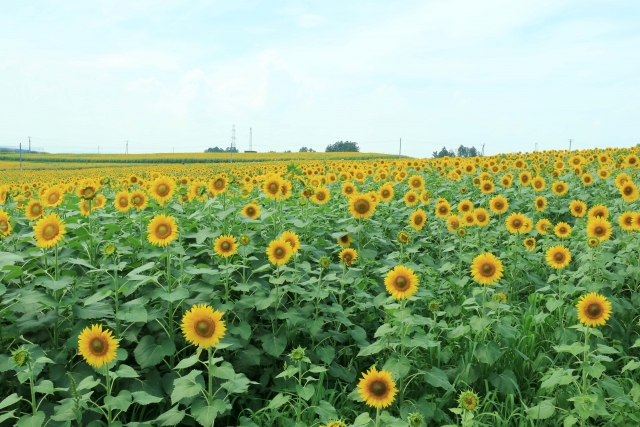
pixel 176 75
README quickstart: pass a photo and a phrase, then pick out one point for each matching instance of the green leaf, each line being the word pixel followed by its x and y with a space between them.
pixel 121 402
pixel 506 382
pixel 144 398
pixel 31 421
pixel 374 348
pixel 398 366
pixel 278 401
pixel 305 392
pixel 326 354
pixel 274 344
pixel 9 400
pixel 171 417
pixel 362 420
pixel 87 383
pixel 132 313
pixel 325 411
pixel 569 421
pixel 136 271
pixel 148 353
pixel 99 310
pixel 631 366
pixel 437 378
pixel 6 416
pixel 126 371
pixel 487 352
pixel 544 410
pixel 239 384
pixel 187 386
pixel 44 387
pixel 458 332
pixel 205 414
pixel 385 329
pixel 189 361
pixel 559 377
pixel 576 348
pixel 224 371
pixel 594 370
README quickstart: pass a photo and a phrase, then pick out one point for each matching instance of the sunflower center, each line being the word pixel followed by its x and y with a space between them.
pixel 469 402
pixel 273 187
pixel 162 230
pixel 628 190
pixel 98 346
pixel 88 192
pixel 378 388
pixel 320 196
pixel 3 225
pixel 517 223
pixel 402 283
pixel 628 220
pixel 251 211
pixel 418 220
pixel 225 246
pixel 50 231
pixel 563 230
pixel 205 328
pixel 599 231
pixel 347 258
pixel 362 206
pixel 53 198
pixel 481 217
pixel 487 270
pixel 279 252
pixel 540 203
pixel 219 183
pixel 443 209
pixel 134 179
pixel 499 205
pixel 385 193
pixel 344 239
pixel 416 183
pixel 137 200
pixel 123 202
pixel 558 257
pixel 36 209
pixel 559 188
pixel 594 310
pixel 163 189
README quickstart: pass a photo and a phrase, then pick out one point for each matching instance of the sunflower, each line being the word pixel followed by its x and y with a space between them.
pixel 453 222
pixel 348 256
pixel 49 231
pixel 543 226
pixel 403 237
pixel 162 189
pixel 34 210
pixel 218 185
pixel 361 206
pixel 578 208
pixel 587 179
pixel 562 230
pixel 203 326
pixel 386 192
pixel 98 347
pixel 345 240
pixel 53 196
pixel 321 196
pixel 411 198
pixel 486 269
pixel 600 228
pixel 279 252
pixel 525 178
pixel 558 256
pixel 468 220
pixel 629 192
pixel 598 211
pixel 465 206
pixel 251 210
pixel 425 197
pixel 538 183
pixel 418 219
pixel 530 244
pixel 5 225
pixel 498 204
pixel 593 242
pixel 271 186
pixel 540 203
pixel 88 189
pixel 468 400
pixel 99 202
pixel 560 188
pixel 401 282
pixel 139 200
pixel 626 221
pixel 377 389
pixel 593 309
pixel 516 223
pixel 443 210
pixel 122 202
pixel 348 189
pixel 292 239
pixel 487 187
pixel 225 246
pixel 481 217
pixel 416 182
pixel 162 230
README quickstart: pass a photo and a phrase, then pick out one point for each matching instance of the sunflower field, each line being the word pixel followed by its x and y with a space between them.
pixel 487 291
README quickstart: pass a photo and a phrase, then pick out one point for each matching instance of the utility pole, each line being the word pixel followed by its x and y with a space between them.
pixel 536 147
pixel 98 149
pixel 570 141
pixel 482 150
pixel 250 138
pixel 233 143
pixel 127 149
pixel 29 144
pixel 21 156
pixel 400 152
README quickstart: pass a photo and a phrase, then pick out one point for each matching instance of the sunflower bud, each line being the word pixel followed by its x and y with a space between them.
pixel 324 262
pixel 468 400
pixel 297 354
pixel 20 356
pixel 109 249
pixel 415 419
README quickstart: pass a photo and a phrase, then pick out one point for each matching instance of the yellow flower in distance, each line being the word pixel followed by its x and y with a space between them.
pixel 5 226
pixel 348 256
pixel 98 347
pixel 361 206
pixel 418 219
pixel 225 246
pixel 486 269
pixel 558 256
pixel 600 228
pixel 162 189
pixel 401 282
pixel 162 230
pixel 345 241
pixel 292 239
pixel 49 230
pixel 377 389
pixel 279 252
pixel 203 326
pixel 139 200
pixel 593 309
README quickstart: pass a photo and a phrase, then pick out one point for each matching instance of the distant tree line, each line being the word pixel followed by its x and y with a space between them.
pixel 342 146
pixel 307 150
pixel 220 150
pixel 461 152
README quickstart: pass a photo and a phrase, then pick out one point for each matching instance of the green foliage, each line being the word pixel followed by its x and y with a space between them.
pixel 342 146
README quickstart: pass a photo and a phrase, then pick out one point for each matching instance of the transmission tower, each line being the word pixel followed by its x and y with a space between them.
pixel 250 138
pixel 233 143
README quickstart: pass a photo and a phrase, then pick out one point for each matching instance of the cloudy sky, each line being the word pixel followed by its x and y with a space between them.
pixel 176 75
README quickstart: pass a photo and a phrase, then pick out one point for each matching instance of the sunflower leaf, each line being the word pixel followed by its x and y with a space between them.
pixel 147 353
pixel 437 378
pixel 171 417
pixel 187 386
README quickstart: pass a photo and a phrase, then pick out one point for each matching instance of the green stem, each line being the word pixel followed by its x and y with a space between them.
pixel 34 407
pixel 170 313
pixel 210 375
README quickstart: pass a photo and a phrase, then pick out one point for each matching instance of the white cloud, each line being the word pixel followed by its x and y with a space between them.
pixel 309 20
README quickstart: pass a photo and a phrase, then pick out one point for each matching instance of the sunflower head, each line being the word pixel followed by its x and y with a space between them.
pixel 345 240
pixel 486 269
pixel 279 252
pixel 292 239
pixel 593 309
pixel 415 419
pixel 348 256
pixel 245 239
pixel 401 282
pixel 468 400
pixel 162 230
pixel 433 305
pixel 324 262
pixel 403 237
pixel 203 326
pixel 98 347
pixel 377 389
pixel 49 230
pixel 593 242
pixel 558 257
pixel 297 354
pixel 418 219
pixel 225 246
pixel 109 249
pixel 20 356
pixel 461 231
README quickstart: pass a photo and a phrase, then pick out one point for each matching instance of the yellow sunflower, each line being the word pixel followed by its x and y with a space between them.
pixel 203 326
pixel 98 347
pixel 578 208
pixel 416 182
pixel 348 189
pixel 629 192
pixel 600 228
pixel 598 210
pixel 225 246
pixel 418 219
pixel 560 188
pixel 465 206
pixel 345 241
pixel 162 230
pixel 453 222
pixel 361 206
pixel 516 223
pixel 251 210
pixel 218 185
pixel 53 196
pixel 348 256
pixel 122 201
pixel 486 269
pixel 292 239
pixel 562 230
pixel 386 192
pixel 377 389
pixel 540 203
pixel 481 217
pixel 271 186
pixel 487 187
pixel 411 198
pixel 139 200
pixel 530 244
pixel 538 183
pixel 626 221
pixel 49 230
pixel 593 309
pixel 498 204
pixel 443 210
pixel 34 210
pixel 401 282
pixel 5 225
pixel 321 196
pixel 87 189
pixel 543 226
pixel 279 252
pixel 558 256
pixel 162 189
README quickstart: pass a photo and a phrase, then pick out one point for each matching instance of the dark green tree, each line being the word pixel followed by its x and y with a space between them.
pixel 343 146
